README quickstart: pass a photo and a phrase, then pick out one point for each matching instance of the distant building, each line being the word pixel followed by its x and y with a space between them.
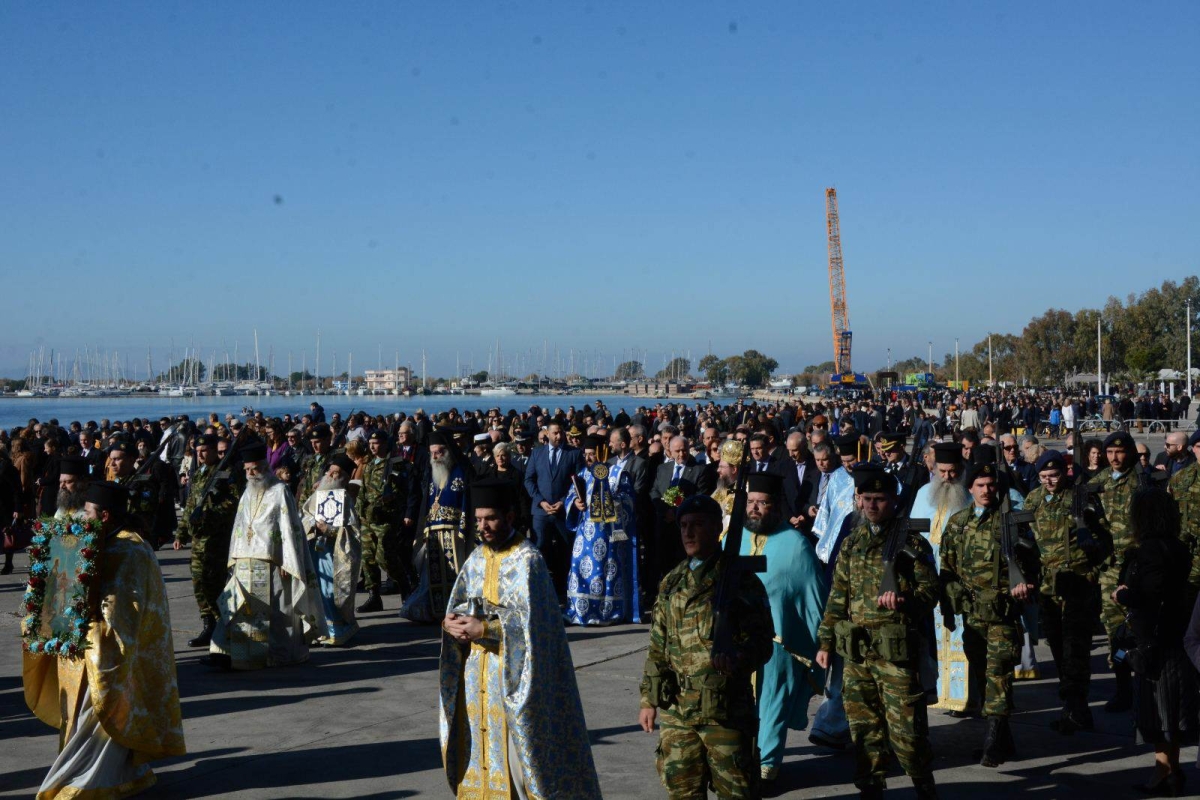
pixel 387 380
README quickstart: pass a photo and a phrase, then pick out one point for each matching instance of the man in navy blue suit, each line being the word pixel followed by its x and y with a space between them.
pixel 548 480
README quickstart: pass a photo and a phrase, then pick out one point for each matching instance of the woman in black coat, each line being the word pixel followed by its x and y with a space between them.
pixel 1153 589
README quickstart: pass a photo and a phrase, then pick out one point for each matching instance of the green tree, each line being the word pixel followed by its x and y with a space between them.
pixel 676 369
pixel 479 377
pixel 629 370
pixel 751 368
pixel 715 370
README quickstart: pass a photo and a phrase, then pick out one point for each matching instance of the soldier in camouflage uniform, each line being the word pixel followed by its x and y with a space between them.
pixel 143 492
pixel 708 718
pixel 1069 595
pixel 207 523
pixel 975 580
pixel 313 465
pixel 877 634
pixel 1118 484
pixel 1185 488
pixel 381 503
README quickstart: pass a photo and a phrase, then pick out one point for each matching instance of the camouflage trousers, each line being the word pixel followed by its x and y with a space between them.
pixel 689 757
pixel 381 550
pixel 996 647
pixel 885 704
pixel 210 571
pixel 1067 624
pixel 1111 614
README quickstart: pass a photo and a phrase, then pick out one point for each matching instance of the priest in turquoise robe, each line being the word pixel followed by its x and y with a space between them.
pixel 511 722
pixel 796 588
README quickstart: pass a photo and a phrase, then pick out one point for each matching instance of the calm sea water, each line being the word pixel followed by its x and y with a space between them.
pixel 18 411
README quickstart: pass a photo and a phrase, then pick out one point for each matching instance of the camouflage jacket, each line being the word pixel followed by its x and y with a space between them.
pixel 858 576
pixel 378 502
pixel 679 676
pixel 1117 499
pixel 1054 530
pixel 972 557
pixel 1185 488
pixel 217 509
pixel 312 469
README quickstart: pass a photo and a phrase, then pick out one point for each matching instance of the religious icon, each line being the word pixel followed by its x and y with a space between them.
pixel 63 570
pixel 331 507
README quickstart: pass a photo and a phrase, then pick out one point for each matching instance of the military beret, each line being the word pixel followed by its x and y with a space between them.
pixel 980 469
pixel 1194 439
pixel 948 453
pixel 109 496
pixel 73 465
pixel 255 451
pixel 764 482
pixel 873 478
pixel 1119 439
pixel 378 435
pixel 207 439
pixel 319 431
pixel 700 504
pixel 123 446
pixel 1051 459
pixel 343 462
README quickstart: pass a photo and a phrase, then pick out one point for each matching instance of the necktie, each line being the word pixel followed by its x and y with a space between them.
pixel 678 473
pixel 762 466
pixel 553 457
pixel 821 487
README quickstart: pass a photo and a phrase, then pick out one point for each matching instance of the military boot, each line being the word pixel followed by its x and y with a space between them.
pixel 1123 699
pixel 372 603
pixel 1073 718
pixel 925 788
pixel 992 754
pixel 206 632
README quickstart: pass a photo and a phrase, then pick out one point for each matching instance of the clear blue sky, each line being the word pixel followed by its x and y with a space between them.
pixel 604 177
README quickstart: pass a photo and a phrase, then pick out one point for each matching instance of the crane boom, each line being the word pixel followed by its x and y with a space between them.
pixel 839 313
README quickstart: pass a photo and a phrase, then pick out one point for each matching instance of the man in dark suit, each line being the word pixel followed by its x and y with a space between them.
pixel 548 480
pixel 760 453
pixel 92 454
pixel 800 481
pixel 681 471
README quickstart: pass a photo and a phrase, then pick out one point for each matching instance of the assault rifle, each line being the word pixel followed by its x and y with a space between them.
pixel 1010 523
pixel 221 473
pixel 896 545
pixel 733 564
pixel 143 471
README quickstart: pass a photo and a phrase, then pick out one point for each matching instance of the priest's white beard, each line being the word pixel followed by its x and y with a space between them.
pixel 441 470
pixel 71 501
pixel 328 483
pixel 948 495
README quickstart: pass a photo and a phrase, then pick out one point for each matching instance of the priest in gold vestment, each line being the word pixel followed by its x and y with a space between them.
pixel 116 705
pixel 511 723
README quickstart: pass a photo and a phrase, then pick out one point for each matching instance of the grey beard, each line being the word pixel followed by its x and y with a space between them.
pixel 768 523
pixel 258 481
pixel 328 483
pixel 441 473
pixel 949 495
pixel 724 483
pixel 71 501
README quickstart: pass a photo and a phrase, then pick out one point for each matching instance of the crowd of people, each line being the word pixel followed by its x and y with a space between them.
pixel 915 548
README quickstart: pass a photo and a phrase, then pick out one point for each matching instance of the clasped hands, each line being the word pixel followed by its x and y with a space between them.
pixel 463 627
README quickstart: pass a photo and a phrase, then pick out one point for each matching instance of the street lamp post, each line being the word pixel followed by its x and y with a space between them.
pixel 931 358
pixel 1189 347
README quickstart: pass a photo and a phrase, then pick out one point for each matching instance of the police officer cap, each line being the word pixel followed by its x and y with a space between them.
pixel 891 441
pixel 700 504
pixel 948 453
pixel 73 465
pixel 493 493
pixel 1051 459
pixel 255 451
pixel 123 446
pixel 343 462
pixel 379 435
pixel 1119 439
pixel 765 483
pixel 873 478
pixel 319 431
pixel 112 497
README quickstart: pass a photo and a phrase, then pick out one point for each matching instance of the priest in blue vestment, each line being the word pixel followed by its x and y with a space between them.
pixel 602 584
pixel 797 589
pixel 511 723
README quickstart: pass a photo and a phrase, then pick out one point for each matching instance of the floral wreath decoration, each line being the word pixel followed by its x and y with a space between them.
pixel 78 610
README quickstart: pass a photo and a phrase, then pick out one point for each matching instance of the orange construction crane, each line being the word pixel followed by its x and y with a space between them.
pixel 840 314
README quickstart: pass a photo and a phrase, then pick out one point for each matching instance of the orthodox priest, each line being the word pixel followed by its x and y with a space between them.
pixel 73 481
pixel 937 501
pixel 602 583
pixel 269 610
pixel 446 536
pixel 796 588
pixel 116 706
pixel 336 548
pixel 511 722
